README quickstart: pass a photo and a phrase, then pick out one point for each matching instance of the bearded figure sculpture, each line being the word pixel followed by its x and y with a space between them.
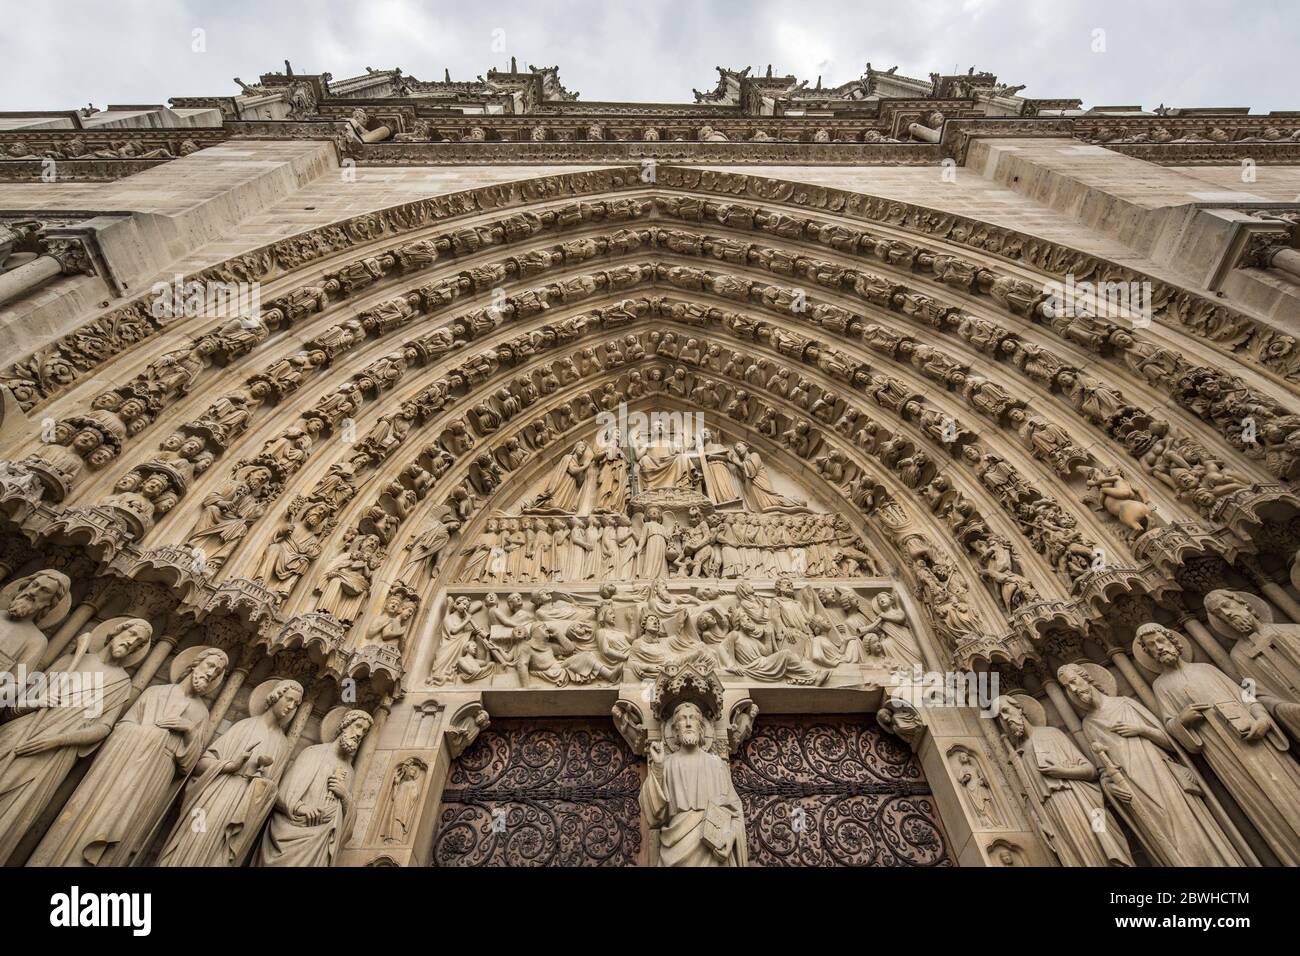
pixel 108 819
pixel 688 797
pixel 30 605
pixel 315 809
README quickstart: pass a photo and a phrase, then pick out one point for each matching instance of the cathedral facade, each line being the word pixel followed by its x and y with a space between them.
pixel 402 472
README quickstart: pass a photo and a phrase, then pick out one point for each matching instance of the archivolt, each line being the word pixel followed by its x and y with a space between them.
pixel 901 322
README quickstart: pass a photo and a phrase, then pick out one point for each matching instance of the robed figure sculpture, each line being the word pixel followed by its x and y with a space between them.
pixel 107 820
pixel 314 809
pixel 688 795
pixel 233 786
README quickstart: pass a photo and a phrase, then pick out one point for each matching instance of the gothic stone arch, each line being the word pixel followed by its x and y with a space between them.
pixel 534 450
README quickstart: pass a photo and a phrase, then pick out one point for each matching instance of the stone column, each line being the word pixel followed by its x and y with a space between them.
pixel 61 257
pixel 158 654
pixel 249 657
pixel 1272 590
pixel 1288 261
pixel 1067 713
pixel 16 283
pixel 1210 645
pixel 377 135
pixel 312 694
pixel 371 743
pixel 97 598
pixel 924 133
pixel 1124 664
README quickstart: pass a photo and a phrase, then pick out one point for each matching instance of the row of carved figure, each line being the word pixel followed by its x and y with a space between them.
pixel 1141 770
pixel 793 635
pixel 1017 295
pixel 75 147
pixel 146 744
pixel 620 548
pixel 1119 496
pixel 96 436
pixel 1274 349
pixel 257 481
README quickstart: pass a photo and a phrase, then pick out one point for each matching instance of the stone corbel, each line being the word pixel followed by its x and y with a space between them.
pixel 630 721
pixel 1252 244
pixel 464 727
pixel 903 720
pixel 740 723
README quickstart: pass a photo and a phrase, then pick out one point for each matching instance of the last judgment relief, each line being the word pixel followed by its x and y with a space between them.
pixel 471 474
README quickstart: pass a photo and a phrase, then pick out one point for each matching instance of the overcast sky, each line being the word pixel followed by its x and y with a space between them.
pixel 63 54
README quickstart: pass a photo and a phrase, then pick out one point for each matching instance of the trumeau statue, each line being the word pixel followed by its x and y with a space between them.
pixel 1149 787
pixel 234 783
pixel 108 818
pixel 315 808
pixel 1207 712
pixel 688 798
pixel 31 604
pixel 1265 652
pixel 39 747
pixel 1060 783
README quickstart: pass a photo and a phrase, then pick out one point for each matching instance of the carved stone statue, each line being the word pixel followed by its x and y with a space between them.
pixel 224 519
pixel 235 782
pixel 1061 786
pixel 314 809
pixel 1267 653
pixel 719 480
pixel 1206 711
pixel 113 810
pixel 294 548
pixel 31 603
pixel 757 486
pixel 566 488
pixel 1158 796
pixel 403 800
pixel 39 747
pixel 689 798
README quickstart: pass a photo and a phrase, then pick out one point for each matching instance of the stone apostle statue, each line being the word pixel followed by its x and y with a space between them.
pixel 1061 782
pixel 235 783
pixel 39 747
pixel 1211 714
pixel 314 809
pixel 131 781
pixel 31 603
pixel 1267 653
pixel 689 797
pixel 1157 795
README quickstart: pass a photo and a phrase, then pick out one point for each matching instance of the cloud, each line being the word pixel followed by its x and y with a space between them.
pixel 62 54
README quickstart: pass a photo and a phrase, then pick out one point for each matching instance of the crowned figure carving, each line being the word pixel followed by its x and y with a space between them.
pixel 688 798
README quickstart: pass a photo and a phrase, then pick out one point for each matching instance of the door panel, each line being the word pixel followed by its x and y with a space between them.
pixel 835 791
pixel 542 793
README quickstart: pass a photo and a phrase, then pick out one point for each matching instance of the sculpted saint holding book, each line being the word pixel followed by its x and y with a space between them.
pixel 688 796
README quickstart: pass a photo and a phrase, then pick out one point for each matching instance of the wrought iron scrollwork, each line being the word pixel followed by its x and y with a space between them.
pixel 554 793
pixel 835 791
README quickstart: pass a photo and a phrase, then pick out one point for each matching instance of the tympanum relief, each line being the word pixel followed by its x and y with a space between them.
pixel 656 550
